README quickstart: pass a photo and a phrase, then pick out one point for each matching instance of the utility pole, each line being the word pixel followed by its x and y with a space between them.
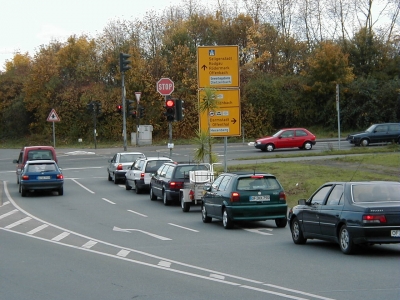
pixel 124 66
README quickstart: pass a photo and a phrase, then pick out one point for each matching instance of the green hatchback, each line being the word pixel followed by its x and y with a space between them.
pixel 243 196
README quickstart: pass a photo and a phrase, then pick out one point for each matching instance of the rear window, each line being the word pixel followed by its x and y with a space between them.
pixel 40 154
pixel 129 157
pixel 182 172
pixel 376 192
pixel 259 183
pixel 41 167
pixel 153 165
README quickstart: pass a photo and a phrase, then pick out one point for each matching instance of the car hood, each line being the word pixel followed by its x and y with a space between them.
pixel 265 138
pixel 357 133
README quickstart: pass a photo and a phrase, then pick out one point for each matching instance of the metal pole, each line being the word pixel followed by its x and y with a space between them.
pixel 225 144
pixel 54 134
pixel 137 124
pixel 170 138
pixel 94 124
pixel 124 110
pixel 338 110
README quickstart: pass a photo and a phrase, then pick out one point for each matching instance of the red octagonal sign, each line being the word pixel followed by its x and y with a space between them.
pixel 165 86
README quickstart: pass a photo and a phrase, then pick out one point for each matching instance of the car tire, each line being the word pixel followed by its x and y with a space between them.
pixel 165 199
pixel 19 188
pixel 23 192
pixel 60 191
pixel 307 146
pixel 137 189
pixel 346 241
pixel 204 216
pixel 364 142
pixel 269 147
pixel 127 186
pixel 185 205
pixel 115 179
pixel 297 233
pixel 281 222
pixel 226 221
pixel 152 196
pixel 109 176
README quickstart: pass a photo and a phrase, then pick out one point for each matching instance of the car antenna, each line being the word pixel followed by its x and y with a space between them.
pixel 357 169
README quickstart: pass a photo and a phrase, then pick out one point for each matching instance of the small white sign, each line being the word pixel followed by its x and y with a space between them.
pixel 170 145
pixel 137 95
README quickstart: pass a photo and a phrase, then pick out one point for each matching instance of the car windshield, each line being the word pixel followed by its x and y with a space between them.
pixel 376 192
pixel 257 183
pixel 278 133
pixel 371 128
pixel 41 167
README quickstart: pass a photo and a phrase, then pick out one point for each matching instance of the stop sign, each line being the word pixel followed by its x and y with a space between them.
pixel 165 86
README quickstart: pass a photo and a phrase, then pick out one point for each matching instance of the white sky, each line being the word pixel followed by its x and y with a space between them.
pixel 27 24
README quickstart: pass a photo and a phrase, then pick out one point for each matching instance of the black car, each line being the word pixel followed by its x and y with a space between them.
pixel 170 178
pixel 244 196
pixel 350 214
pixel 377 133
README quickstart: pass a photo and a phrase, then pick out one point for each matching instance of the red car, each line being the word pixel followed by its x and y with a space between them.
pixel 287 138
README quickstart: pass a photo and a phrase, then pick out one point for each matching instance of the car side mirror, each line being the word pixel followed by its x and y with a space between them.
pixel 302 202
pixel 207 187
pixel 15 161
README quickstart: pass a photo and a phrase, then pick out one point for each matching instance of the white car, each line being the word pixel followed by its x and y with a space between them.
pixel 120 163
pixel 138 175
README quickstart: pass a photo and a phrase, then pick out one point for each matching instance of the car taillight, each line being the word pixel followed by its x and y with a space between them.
pixel 141 175
pixel 119 167
pixel 60 176
pixel 235 197
pixel 191 195
pixel 374 219
pixel 282 196
pixel 25 177
pixel 176 185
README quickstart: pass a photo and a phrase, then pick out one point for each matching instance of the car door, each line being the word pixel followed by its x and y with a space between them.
pixel 310 215
pixel 112 164
pixel 129 175
pixel 222 194
pixel 286 139
pixel 380 134
pixel 209 197
pixel 329 213
pixel 137 170
pixel 300 138
pixel 157 181
pixel 393 133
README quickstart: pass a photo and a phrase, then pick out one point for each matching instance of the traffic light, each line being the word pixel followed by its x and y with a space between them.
pixel 124 62
pixel 141 112
pixel 98 108
pixel 131 109
pixel 89 107
pixel 170 110
pixel 119 108
pixel 179 110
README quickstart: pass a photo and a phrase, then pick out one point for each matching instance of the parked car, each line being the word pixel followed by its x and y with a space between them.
pixel 120 163
pixel 244 196
pixel 377 133
pixel 33 153
pixel 139 173
pixel 41 175
pixel 350 214
pixel 170 178
pixel 287 138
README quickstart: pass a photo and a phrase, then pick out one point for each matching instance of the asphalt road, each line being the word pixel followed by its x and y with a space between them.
pixel 99 241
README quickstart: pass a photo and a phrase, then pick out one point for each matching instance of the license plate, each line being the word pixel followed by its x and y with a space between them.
pixel 43 177
pixel 260 198
pixel 395 233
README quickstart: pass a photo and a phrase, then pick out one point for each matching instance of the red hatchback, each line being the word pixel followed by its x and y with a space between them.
pixel 287 138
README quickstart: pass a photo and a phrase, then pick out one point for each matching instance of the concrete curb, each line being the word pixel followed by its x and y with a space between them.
pixel 1 192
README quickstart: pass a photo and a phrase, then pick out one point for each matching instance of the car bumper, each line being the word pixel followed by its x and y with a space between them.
pixel 42 185
pixel 173 195
pixel 259 146
pixel 257 212
pixel 381 235
pixel 120 174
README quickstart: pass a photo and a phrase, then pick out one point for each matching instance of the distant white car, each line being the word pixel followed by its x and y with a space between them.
pixel 120 163
pixel 138 175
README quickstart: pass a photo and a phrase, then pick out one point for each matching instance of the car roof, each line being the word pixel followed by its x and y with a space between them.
pixel 38 147
pixel 130 153
pixel 41 161
pixel 247 173
pixel 294 128
pixel 156 158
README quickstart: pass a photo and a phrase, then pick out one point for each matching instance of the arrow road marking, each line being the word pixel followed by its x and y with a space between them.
pixel 145 232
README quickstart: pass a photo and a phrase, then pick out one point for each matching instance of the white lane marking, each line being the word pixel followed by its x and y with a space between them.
pixel 60 236
pixel 123 253
pixel 271 292
pixel 107 200
pixel 182 227
pixel 5 203
pixel 8 214
pixel 137 213
pixel 142 231
pixel 37 229
pixel 259 230
pixel 18 223
pixel 89 244
pixel 165 264
pixel 217 276
pixel 90 191
pixel 296 291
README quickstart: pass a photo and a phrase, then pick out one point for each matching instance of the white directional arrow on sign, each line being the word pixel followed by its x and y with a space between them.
pixel 148 233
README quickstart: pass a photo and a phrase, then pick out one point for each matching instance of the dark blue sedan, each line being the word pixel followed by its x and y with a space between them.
pixel 41 175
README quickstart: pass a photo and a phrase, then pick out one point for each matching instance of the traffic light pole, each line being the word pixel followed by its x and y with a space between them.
pixel 137 124
pixel 170 138
pixel 124 110
pixel 94 125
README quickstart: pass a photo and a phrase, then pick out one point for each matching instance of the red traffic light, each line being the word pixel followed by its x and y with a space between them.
pixel 170 103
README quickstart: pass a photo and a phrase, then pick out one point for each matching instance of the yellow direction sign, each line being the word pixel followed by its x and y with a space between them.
pixel 218 66
pixel 225 119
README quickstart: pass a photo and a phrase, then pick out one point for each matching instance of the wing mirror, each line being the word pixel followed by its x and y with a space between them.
pixel 302 202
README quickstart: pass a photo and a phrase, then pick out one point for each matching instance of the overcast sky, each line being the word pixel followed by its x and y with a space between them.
pixel 27 24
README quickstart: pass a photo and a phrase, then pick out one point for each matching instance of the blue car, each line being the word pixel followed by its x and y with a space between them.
pixel 41 175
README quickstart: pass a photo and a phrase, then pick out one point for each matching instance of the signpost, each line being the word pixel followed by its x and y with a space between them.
pixel 53 117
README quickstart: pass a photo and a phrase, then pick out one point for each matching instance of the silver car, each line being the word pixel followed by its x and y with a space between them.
pixel 139 174
pixel 120 163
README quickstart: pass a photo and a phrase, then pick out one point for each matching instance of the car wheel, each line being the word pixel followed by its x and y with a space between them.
pixel 204 217
pixel 109 176
pixel 23 192
pixel 226 221
pixel 137 189
pixel 19 189
pixel 127 186
pixel 297 234
pixel 269 147
pixel 152 196
pixel 115 179
pixel 281 222
pixel 60 191
pixel 165 200
pixel 345 241
pixel 307 146
pixel 18 177
pixel 185 205
pixel 364 142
